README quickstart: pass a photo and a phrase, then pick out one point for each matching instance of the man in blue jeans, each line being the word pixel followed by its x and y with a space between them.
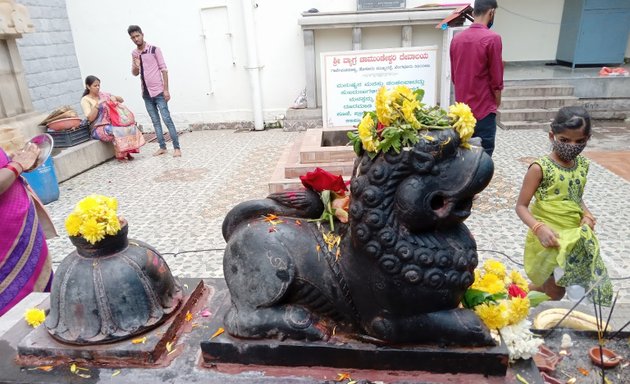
pixel 148 62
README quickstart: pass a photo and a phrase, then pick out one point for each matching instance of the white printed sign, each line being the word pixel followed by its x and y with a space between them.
pixel 351 79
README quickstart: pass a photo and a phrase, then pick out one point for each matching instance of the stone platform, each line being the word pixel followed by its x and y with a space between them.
pixel 185 364
pixel 149 349
pixel 321 148
pixel 346 353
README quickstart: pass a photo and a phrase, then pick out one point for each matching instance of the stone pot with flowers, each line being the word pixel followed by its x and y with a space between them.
pixel 111 287
pixel 388 260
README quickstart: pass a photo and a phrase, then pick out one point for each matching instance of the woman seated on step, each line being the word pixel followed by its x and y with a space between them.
pixel 110 120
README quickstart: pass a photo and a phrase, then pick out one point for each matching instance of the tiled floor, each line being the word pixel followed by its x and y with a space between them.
pixel 618 162
pixel 178 204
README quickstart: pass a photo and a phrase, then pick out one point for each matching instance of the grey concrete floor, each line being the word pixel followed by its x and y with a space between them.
pixel 178 204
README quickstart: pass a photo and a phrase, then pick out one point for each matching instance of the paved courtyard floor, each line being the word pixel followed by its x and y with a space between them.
pixel 178 204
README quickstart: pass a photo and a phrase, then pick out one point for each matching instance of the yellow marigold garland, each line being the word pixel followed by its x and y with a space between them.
pixel 463 122
pixel 518 310
pixel 402 110
pixel 495 316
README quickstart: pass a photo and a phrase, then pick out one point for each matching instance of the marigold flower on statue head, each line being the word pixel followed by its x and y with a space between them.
pixel 92 230
pixel 366 133
pixel 34 316
pixel 73 224
pixel 518 309
pixel 88 206
pixel 112 224
pixel 409 112
pixel 463 121
pixel 93 218
pixel 384 109
pixel 495 316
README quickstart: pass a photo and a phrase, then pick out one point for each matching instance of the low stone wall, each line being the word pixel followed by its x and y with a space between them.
pixel 607 109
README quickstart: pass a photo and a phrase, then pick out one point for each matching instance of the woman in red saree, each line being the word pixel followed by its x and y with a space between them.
pixel 121 130
pixel 25 265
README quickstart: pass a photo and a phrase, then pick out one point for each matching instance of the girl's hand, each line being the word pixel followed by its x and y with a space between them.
pixel 547 237
pixel 588 220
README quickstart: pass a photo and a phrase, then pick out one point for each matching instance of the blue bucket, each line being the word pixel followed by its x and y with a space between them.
pixel 44 182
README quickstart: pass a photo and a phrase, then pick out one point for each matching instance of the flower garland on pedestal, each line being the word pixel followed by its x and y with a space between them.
pixel 93 218
pixel 502 301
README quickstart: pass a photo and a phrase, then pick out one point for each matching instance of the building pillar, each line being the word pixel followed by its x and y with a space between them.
pixel 407 37
pixel 356 39
pixel 309 61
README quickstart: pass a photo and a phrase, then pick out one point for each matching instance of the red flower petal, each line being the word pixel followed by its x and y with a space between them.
pixel 516 291
pixel 321 180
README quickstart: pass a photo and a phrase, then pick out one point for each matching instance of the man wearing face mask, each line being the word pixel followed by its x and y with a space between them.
pixel 477 71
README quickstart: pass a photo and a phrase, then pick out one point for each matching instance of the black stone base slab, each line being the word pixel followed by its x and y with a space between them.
pixel 346 353
pixel 39 348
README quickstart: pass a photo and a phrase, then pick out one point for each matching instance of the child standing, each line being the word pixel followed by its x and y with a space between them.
pixel 561 249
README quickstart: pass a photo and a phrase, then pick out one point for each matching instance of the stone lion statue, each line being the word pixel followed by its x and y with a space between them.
pixel 398 273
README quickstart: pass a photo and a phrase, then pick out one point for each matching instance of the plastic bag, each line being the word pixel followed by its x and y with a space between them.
pixel 300 101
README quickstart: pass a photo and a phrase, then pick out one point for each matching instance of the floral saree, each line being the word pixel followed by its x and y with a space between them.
pixel 126 140
pixel 25 266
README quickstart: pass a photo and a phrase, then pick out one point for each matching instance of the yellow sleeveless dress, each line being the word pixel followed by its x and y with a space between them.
pixel 557 204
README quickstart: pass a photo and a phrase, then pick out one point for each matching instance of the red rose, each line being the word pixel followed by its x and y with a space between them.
pixel 320 180
pixel 516 291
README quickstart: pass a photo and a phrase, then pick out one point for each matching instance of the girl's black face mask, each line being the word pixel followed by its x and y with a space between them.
pixel 566 151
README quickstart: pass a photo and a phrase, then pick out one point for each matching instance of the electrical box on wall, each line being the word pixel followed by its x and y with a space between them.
pixel 593 32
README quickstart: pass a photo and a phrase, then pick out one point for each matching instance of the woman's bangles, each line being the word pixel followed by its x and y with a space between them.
pixel 13 169
pixel 536 227
pixel 590 217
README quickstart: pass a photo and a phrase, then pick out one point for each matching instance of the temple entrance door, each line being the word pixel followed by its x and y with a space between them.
pixel 226 54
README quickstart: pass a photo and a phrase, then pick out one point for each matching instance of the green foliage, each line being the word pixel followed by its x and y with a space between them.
pixel 433 117
pixel 536 298
pixel 474 297
pixel 355 141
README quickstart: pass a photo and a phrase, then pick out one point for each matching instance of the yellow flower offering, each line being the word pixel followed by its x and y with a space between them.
pixel 519 309
pixel 400 119
pixel 495 267
pixel 463 121
pixel 93 218
pixel 495 316
pixel 34 317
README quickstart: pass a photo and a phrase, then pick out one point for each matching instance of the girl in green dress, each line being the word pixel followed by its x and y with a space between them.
pixel 561 249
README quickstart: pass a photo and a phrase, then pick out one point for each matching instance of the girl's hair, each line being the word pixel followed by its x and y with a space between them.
pixel 89 81
pixel 574 117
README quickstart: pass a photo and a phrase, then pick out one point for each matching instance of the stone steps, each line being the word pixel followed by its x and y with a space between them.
pixel 302 119
pixel 527 114
pixel 524 125
pixel 543 102
pixel 533 106
pixel 316 148
pixel 537 90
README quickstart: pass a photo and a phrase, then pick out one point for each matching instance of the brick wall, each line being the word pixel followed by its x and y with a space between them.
pixel 50 63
